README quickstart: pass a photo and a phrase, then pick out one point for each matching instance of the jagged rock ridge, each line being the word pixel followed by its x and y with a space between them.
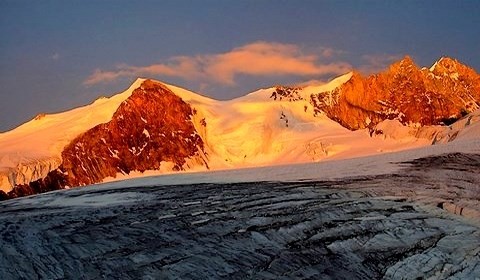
pixel 413 96
pixel 153 126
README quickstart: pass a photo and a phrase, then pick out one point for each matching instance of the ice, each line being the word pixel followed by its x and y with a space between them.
pixel 168 216
pixel 402 215
pixel 200 221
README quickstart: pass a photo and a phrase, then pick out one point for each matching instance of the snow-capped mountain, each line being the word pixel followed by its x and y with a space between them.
pixel 154 127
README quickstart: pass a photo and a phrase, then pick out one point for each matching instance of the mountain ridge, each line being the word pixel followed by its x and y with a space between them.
pixel 270 126
pixel 405 92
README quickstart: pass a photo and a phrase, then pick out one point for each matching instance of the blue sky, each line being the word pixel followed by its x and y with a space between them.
pixel 56 55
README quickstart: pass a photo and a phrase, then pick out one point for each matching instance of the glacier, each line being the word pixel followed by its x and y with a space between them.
pixel 404 215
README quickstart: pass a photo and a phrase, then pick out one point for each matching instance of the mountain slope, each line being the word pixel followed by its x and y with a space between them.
pixel 149 128
pixel 33 149
pixel 155 128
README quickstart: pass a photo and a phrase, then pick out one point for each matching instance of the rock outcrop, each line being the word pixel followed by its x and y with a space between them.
pixel 414 96
pixel 152 127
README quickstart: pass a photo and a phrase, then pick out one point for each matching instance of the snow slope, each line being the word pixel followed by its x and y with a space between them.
pixel 255 130
pixel 328 170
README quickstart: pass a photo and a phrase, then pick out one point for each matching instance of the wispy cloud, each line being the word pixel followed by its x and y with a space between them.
pixel 55 56
pixel 255 59
pixel 331 53
pixel 377 62
pixel 182 67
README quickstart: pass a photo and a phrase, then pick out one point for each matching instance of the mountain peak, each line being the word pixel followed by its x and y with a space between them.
pixel 407 94
pixel 406 60
pixel 406 64
pixel 151 84
pixel 446 65
pixel 450 67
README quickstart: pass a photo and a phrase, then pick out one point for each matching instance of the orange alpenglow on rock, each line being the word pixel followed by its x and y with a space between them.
pixel 439 95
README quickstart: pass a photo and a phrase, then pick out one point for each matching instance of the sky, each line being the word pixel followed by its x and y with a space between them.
pixel 57 55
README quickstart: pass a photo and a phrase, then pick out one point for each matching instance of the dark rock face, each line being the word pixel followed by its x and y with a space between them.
pixel 287 93
pixel 150 127
pixel 55 180
pixel 3 196
pixel 403 92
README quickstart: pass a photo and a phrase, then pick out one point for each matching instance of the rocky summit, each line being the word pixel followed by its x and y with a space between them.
pixel 413 96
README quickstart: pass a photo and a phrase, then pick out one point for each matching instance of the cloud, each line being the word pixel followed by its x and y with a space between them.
pixel 313 82
pixel 377 62
pixel 99 76
pixel 331 53
pixel 268 59
pixel 182 67
pixel 55 56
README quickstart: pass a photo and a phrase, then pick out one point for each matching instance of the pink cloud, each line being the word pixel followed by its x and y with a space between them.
pixel 99 76
pixel 177 67
pixel 255 59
